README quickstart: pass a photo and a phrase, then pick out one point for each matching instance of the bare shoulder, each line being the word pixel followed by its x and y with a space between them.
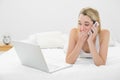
pixel 74 30
pixel 104 34
pixel 73 33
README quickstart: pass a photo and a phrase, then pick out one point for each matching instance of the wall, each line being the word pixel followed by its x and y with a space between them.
pixel 21 18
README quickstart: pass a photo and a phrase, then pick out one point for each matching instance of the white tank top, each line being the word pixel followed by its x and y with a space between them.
pixel 83 54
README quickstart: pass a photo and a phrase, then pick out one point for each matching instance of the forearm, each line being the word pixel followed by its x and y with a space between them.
pixel 96 57
pixel 71 58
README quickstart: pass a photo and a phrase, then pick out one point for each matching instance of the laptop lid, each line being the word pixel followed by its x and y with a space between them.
pixel 30 55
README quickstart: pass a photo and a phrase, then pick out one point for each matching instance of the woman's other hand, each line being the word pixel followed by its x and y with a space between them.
pixel 83 36
pixel 92 33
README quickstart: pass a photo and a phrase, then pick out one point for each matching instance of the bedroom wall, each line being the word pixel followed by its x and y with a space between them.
pixel 21 18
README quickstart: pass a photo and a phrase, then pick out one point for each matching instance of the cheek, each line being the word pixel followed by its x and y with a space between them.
pixel 78 26
pixel 88 28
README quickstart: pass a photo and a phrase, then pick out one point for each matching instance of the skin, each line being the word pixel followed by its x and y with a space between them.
pixel 79 40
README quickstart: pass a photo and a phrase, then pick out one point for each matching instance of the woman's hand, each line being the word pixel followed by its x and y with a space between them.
pixel 92 34
pixel 83 36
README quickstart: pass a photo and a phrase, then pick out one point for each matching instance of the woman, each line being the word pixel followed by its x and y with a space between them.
pixel 84 38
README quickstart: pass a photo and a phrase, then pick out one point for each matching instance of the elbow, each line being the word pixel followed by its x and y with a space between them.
pixel 69 61
pixel 100 64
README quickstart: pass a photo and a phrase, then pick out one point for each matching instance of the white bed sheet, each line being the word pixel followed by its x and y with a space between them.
pixel 83 69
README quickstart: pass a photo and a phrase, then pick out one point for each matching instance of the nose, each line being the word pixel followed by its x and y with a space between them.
pixel 82 28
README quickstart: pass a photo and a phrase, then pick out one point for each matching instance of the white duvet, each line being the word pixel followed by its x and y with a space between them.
pixel 83 69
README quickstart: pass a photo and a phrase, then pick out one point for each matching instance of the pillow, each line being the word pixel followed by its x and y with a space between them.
pixel 112 38
pixel 66 41
pixel 32 38
pixel 111 42
pixel 51 39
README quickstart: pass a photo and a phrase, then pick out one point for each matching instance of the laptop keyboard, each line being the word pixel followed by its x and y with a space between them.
pixel 55 59
pixel 52 66
pixel 54 56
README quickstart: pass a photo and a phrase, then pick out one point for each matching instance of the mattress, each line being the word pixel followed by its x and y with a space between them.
pixel 83 69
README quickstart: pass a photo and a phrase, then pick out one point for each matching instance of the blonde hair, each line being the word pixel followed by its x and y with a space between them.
pixel 92 14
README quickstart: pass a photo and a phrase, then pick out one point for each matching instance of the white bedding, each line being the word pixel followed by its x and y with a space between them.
pixel 83 69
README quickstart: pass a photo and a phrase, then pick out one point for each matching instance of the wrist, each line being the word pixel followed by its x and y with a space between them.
pixel 80 43
pixel 90 41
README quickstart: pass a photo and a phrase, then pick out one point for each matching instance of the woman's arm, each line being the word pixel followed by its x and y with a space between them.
pixel 74 46
pixel 101 56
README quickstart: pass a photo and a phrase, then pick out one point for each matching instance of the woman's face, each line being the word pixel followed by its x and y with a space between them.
pixel 84 23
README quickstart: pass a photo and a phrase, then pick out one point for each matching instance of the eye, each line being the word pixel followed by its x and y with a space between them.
pixel 79 23
pixel 86 24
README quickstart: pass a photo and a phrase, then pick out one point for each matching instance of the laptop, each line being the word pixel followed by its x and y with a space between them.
pixel 31 55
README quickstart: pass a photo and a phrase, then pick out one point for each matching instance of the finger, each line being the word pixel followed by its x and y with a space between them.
pixel 81 33
pixel 95 30
pixel 84 35
pixel 85 32
pixel 90 33
pixel 92 30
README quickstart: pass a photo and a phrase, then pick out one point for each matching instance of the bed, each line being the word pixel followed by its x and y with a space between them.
pixel 83 69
